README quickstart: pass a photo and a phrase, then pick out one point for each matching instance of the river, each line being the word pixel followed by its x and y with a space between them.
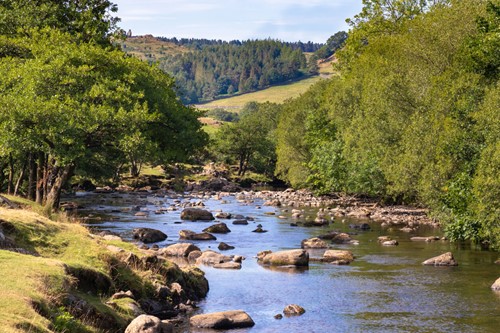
pixel 385 289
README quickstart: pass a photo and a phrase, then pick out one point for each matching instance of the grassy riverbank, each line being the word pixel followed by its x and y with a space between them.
pixel 56 276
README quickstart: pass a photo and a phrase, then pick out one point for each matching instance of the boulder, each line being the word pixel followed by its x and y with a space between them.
pixel 224 247
pixel 222 215
pixel 284 258
pixel 240 222
pixel 219 228
pixel 196 214
pixel 445 259
pixel 382 239
pixel 390 243
pixel 210 258
pixel 148 235
pixel 148 324
pixel 191 235
pixel 314 243
pixel 342 238
pixel 222 320
pixel 178 250
pixel 338 257
pixel 320 221
pixel 496 285
pixel 228 265
pixel 293 310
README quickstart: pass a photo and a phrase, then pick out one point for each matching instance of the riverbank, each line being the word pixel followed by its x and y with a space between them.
pixel 56 276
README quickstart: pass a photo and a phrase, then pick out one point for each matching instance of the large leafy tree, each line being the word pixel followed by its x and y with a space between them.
pixel 71 103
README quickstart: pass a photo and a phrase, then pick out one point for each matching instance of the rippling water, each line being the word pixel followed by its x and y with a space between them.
pixel 386 289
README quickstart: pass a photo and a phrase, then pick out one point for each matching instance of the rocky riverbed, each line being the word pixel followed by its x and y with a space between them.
pixel 249 242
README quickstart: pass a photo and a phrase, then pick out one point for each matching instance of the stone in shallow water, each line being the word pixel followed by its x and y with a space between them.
pixel 222 320
pixel 445 259
pixel 293 310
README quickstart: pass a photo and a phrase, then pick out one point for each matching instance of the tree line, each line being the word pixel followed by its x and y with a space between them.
pixel 228 68
pixel 199 43
pixel 72 104
pixel 413 117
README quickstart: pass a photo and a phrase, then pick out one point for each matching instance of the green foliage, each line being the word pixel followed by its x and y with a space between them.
pixel 88 21
pixel 70 103
pixel 223 115
pixel 227 68
pixel 413 116
pixel 65 322
pixel 250 142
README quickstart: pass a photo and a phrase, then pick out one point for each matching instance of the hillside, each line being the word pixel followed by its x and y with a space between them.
pixel 150 48
pixel 204 70
pixel 276 94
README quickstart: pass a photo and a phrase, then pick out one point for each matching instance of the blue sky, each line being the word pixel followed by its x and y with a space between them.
pixel 287 20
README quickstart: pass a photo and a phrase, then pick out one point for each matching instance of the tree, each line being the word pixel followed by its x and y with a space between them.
pixel 77 107
pixel 250 142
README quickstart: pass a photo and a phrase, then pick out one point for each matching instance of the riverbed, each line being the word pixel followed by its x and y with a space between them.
pixel 385 289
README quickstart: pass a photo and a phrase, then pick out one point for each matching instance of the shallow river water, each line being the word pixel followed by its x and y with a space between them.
pixel 386 289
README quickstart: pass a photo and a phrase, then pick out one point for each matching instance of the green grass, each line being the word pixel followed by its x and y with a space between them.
pixel 275 94
pixel 33 288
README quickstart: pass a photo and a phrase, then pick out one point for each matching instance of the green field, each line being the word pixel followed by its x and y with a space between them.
pixel 276 94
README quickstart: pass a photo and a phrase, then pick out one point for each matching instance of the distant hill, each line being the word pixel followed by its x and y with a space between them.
pixel 205 70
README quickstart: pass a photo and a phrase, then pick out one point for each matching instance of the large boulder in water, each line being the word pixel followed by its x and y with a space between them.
pixel 148 324
pixel 284 258
pixel 210 258
pixel 222 320
pixel 338 257
pixel 178 250
pixel 445 259
pixel 219 228
pixel 196 214
pixel 148 235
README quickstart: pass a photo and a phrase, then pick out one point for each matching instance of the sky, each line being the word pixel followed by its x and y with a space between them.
pixel 285 20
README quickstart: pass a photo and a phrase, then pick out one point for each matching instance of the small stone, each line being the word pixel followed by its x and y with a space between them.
pixel 390 243
pixel 293 310
pixel 278 316
pixel 224 247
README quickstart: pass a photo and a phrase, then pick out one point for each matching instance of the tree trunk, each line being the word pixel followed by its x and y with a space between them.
pixel 21 176
pixel 39 178
pixel 31 190
pixel 10 181
pixel 62 176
